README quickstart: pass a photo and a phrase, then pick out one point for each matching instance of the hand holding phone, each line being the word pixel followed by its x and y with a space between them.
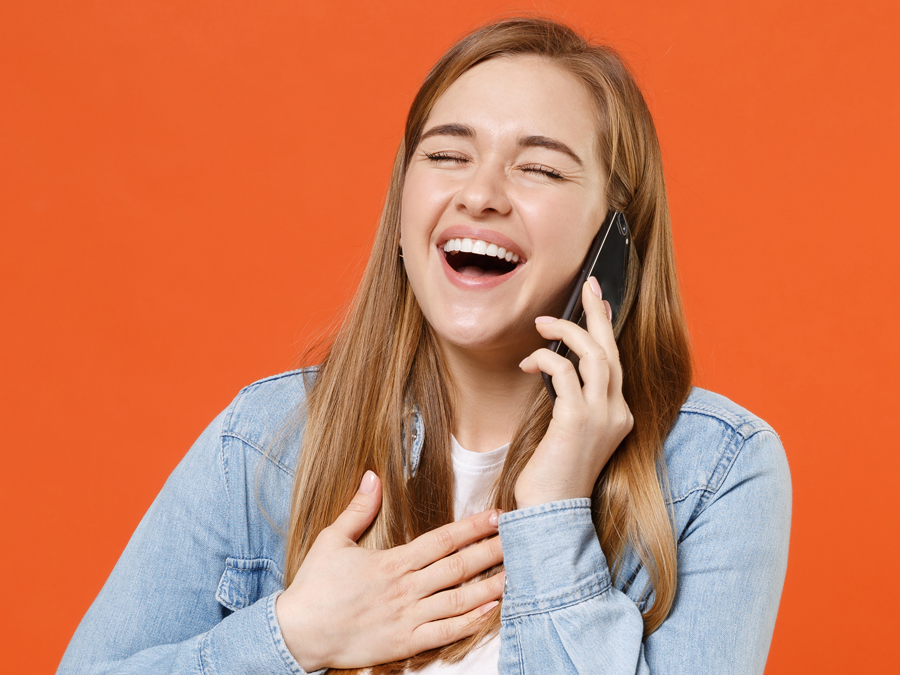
pixel 590 416
pixel 607 261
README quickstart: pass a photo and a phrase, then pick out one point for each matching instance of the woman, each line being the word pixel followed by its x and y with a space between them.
pixel 643 525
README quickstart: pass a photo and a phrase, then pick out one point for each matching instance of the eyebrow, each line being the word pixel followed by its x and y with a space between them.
pixel 459 130
pixel 550 144
pixel 465 131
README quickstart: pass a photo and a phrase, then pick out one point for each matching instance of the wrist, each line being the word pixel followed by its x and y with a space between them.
pixel 528 498
pixel 300 642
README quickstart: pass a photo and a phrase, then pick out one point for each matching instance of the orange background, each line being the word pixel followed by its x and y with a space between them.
pixel 176 225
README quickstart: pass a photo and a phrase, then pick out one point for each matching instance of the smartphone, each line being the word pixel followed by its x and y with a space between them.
pixel 607 260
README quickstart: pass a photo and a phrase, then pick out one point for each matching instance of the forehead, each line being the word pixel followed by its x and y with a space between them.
pixel 520 95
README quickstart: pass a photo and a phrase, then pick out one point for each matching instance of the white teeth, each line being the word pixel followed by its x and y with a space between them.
pixel 480 247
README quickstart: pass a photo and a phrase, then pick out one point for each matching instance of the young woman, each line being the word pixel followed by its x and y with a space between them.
pixel 635 525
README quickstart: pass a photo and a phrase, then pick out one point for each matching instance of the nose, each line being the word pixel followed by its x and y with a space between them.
pixel 484 192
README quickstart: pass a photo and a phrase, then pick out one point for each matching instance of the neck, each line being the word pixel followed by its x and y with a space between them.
pixel 490 394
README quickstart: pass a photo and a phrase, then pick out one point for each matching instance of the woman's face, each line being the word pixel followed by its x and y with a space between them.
pixel 507 168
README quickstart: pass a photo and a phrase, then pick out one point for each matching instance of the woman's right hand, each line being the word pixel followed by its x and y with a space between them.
pixel 351 607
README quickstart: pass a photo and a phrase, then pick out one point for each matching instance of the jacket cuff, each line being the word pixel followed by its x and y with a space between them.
pixel 552 557
pixel 249 642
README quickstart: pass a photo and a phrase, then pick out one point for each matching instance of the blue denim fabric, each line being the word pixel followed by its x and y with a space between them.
pixel 194 591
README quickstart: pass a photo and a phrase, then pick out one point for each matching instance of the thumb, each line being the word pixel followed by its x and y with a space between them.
pixel 360 512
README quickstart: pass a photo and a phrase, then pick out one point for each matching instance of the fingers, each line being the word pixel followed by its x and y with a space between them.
pixel 360 512
pixel 439 633
pixel 599 325
pixel 559 368
pixel 443 541
pixel 596 349
pixel 462 599
pixel 460 566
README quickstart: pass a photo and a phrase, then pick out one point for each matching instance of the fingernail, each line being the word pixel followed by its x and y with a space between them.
pixel 494 518
pixel 523 362
pixel 595 286
pixel 544 319
pixel 489 606
pixel 608 310
pixel 367 486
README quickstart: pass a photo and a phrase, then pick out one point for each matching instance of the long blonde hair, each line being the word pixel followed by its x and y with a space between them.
pixel 385 356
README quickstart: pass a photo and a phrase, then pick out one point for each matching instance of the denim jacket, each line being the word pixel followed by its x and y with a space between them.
pixel 194 591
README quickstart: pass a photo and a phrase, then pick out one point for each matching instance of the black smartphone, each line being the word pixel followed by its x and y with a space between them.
pixel 607 260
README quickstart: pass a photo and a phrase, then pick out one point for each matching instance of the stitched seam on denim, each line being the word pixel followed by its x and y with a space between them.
pixel 203 653
pixel 519 652
pixel 737 422
pixel 263 568
pixel 730 419
pixel 224 465
pixel 236 590
pixel 587 589
pixel 730 434
pixel 223 592
pixel 228 430
pixel 703 502
pixel 271 567
pixel 513 614
pixel 768 430
pixel 261 451
pixel 700 488
pixel 739 450
pixel 275 378
pixel 279 646
pixel 720 472
pixel 229 414
pixel 512 516
pixel 723 467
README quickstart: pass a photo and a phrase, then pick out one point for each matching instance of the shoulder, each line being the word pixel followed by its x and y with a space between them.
pixel 712 435
pixel 270 412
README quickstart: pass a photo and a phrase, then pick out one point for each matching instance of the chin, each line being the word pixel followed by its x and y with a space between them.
pixel 466 337
pixel 484 335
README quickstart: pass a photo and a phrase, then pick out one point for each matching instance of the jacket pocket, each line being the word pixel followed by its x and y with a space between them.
pixel 245 581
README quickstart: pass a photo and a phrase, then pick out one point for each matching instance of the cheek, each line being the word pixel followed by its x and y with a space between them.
pixel 425 198
pixel 561 228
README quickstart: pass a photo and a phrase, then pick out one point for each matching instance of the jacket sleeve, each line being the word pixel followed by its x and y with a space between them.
pixel 562 614
pixel 158 612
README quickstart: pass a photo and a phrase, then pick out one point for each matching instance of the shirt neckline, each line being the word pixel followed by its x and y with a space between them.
pixel 470 461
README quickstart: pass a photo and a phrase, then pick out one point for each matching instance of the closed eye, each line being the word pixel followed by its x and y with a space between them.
pixel 445 157
pixel 529 168
pixel 544 170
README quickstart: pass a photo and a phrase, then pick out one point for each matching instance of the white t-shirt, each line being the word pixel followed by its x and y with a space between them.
pixel 475 473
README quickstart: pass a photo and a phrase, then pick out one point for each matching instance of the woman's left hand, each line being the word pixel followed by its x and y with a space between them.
pixel 588 422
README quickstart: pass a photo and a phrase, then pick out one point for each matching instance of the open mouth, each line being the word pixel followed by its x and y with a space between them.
pixel 476 258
